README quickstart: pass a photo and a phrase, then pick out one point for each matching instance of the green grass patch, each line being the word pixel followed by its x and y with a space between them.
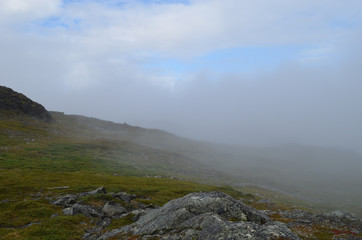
pixel 124 221
pixel 20 184
pixel 58 228
pixel 22 213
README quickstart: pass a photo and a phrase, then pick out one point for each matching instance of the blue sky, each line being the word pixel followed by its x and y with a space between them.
pixel 230 61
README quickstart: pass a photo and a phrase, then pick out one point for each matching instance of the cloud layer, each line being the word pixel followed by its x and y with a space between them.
pixel 94 58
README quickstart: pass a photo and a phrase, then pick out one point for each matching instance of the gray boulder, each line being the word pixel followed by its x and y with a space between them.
pixel 113 209
pixel 86 210
pixel 66 201
pixel 124 196
pixel 178 211
pixel 100 190
pixel 71 199
pixel 205 215
pixel 68 211
pixel 341 214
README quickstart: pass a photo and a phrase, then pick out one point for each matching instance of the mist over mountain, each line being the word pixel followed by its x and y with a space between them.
pixel 205 70
pixel 155 98
pixel 323 175
pixel 43 160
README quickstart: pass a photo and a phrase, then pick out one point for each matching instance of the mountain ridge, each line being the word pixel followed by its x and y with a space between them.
pixel 14 101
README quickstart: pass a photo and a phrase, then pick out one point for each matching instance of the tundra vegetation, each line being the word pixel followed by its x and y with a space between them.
pixel 41 160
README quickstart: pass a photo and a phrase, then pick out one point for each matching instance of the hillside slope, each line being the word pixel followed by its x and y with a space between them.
pixel 14 101
pixel 327 177
pixel 43 161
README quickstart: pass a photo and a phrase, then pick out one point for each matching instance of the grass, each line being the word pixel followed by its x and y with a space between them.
pixel 18 186
pixel 30 169
pixel 36 157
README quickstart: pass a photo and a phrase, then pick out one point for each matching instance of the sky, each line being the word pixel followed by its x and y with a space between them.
pixel 250 72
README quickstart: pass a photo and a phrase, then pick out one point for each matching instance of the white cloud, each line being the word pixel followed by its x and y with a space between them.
pixel 100 60
pixel 188 30
pixel 20 10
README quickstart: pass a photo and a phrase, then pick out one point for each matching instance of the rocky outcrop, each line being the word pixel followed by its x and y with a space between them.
pixel 122 206
pixel 343 225
pixel 204 215
pixel 11 100
pixel 72 204
pixel 201 215
pixel 179 211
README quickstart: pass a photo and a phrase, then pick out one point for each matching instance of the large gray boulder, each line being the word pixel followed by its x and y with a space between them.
pixel 178 211
pixel 205 215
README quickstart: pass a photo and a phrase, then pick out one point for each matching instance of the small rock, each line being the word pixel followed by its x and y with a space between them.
pixel 87 210
pixel 36 195
pixel 264 200
pixel 100 190
pixel 104 222
pixel 62 187
pixel 113 209
pixel 66 201
pixel 4 201
pixel 125 196
pixel 68 211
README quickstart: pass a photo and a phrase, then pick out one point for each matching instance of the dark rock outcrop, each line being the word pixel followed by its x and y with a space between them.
pixel 11 100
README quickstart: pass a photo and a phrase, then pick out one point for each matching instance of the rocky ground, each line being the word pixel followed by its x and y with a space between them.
pixel 202 215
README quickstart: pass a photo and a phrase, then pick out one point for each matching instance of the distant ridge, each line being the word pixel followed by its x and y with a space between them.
pixel 14 101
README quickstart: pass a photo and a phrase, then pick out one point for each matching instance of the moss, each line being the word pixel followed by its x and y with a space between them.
pixel 19 214
pixel 61 227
